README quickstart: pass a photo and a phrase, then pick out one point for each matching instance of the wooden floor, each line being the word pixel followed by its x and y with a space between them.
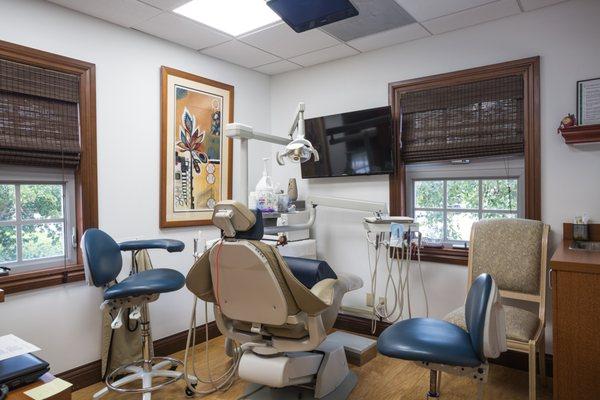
pixel 381 378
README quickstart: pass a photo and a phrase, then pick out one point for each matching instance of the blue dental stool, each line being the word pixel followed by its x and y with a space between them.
pixel 103 263
pixel 444 347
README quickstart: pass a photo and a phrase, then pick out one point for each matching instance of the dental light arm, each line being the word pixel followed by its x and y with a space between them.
pixel 312 202
pixel 297 150
pixel 241 131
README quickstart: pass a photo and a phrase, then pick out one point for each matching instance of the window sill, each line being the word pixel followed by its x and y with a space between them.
pixel 47 277
pixel 446 255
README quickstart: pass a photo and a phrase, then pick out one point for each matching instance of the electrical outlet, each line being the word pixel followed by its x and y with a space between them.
pixel 370 299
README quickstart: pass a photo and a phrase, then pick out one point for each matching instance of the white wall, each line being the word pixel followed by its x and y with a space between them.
pixel 65 320
pixel 566 38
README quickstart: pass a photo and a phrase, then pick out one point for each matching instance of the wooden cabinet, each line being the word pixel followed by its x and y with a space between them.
pixel 576 323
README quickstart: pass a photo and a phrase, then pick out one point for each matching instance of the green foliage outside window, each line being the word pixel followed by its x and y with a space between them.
pixel 39 239
pixel 446 205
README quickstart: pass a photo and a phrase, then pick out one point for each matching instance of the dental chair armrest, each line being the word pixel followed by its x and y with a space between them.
pixel 325 290
pixel 171 245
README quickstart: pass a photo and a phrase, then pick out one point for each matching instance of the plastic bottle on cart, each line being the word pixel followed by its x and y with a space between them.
pixel 266 199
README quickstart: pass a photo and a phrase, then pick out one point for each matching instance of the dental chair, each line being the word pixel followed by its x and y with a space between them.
pixel 278 320
pixel 444 347
pixel 103 262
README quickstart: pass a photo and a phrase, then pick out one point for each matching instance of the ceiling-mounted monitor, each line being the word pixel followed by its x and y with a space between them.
pixel 302 15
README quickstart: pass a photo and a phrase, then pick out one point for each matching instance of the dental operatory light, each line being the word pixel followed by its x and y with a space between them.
pixel 234 17
pixel 299 150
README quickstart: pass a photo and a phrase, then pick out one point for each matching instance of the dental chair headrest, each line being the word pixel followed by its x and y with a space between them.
pixel 256 232
pixel 231 217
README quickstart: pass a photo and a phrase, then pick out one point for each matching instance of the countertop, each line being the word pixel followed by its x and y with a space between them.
pixel 565 259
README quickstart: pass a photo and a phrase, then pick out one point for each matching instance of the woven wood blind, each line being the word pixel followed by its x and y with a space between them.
pixel 478 119
pixel 39 116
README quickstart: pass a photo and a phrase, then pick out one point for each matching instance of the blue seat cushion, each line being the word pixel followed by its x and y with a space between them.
pixel 309 271
pixel 429 340
pixel 161 280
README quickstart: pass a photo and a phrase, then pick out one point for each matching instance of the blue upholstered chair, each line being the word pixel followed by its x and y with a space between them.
pixel 103 263
pixel 444 347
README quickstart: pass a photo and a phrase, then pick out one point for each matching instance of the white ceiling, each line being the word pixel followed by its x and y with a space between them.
pixel 277 48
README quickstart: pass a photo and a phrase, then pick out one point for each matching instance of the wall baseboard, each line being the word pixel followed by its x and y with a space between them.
pixel 511 359
pixel 90 373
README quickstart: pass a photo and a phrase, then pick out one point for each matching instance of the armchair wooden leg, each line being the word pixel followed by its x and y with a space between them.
pixel 532 370
pixel 542 360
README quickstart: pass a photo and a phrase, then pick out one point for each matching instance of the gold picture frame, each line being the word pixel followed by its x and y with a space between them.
pixel 196 158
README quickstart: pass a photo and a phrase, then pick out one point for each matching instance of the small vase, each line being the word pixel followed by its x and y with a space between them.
pixel 292 190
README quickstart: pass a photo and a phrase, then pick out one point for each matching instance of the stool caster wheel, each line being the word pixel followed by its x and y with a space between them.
pixel 189 392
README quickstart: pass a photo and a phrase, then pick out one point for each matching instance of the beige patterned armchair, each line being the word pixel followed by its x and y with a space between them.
pixel 514 252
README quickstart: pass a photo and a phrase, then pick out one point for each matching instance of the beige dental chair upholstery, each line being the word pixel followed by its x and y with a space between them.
pixel 262 306
pixel 514 252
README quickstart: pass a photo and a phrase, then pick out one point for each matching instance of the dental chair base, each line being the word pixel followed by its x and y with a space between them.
pixel 324 372
pixel 260 392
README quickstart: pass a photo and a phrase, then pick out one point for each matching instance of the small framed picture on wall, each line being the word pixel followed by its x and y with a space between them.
pixel 588 101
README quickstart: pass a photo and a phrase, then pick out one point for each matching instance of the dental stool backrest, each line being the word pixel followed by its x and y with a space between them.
pixel 101 257
pixel 484 317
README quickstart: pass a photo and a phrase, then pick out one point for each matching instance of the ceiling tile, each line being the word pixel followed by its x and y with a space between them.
pixel 122 12
pixel 183 31
pixel 473 16
pixel 529 5
pixel 241 54
pixel 374 16
pixel 278 67
pixel 324 55
pixel 422 10
pixel 167 5
pixel 389 38
pixel 281 40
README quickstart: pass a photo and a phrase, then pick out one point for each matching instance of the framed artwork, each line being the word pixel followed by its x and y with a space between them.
pixel 588 102
pixel 196 157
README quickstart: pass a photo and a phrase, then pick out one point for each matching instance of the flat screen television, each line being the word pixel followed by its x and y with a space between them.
pixel 349 144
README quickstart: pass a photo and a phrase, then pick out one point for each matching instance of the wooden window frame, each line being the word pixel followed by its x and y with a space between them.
pixel 86 176
pixel 529 68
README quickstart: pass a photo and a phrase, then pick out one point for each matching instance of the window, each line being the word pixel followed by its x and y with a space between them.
pixel 446 199
pixel 37 219
pixel 446 209
pixel 48 188
pixel 487 115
